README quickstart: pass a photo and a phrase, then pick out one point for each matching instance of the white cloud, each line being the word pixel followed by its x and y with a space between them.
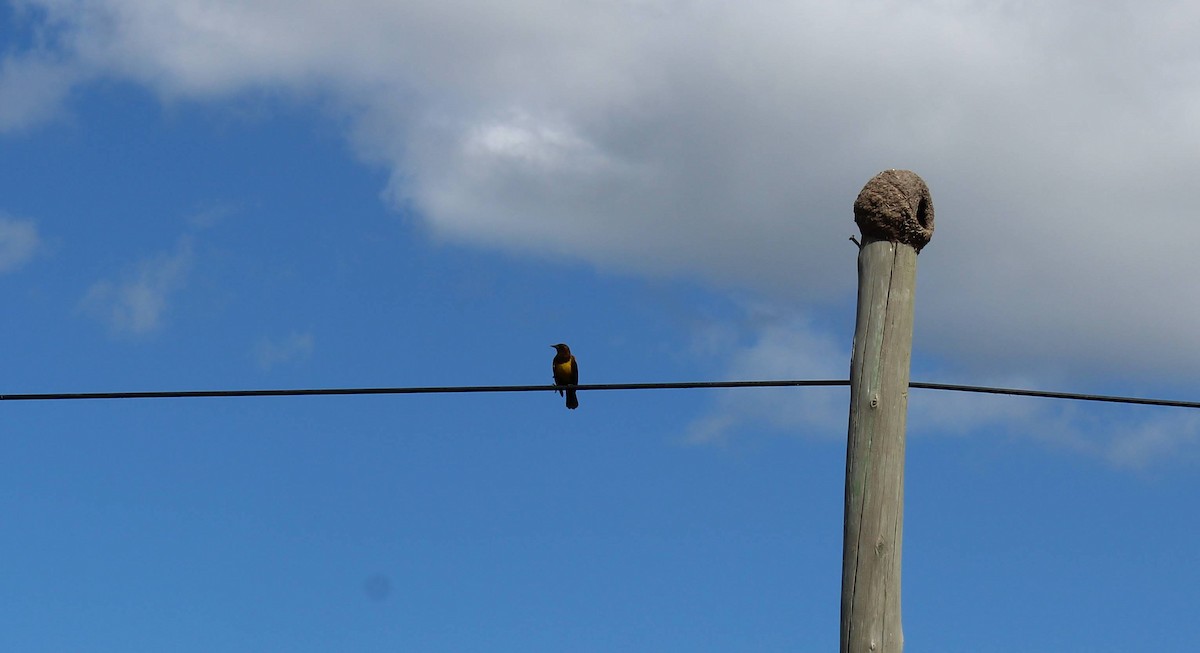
pixel 32 88
pixel 293 347
pixel 1128 439
pixel 211 217
pixel 784 347
pixel 19 242
pixel 790 348
pixel 138 302
pixel 728 140
pixel 1166 437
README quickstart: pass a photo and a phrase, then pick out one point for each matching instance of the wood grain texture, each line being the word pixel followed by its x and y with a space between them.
pixel 874 519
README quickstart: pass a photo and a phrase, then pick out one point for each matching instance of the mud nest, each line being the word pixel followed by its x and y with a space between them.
pixel 895 205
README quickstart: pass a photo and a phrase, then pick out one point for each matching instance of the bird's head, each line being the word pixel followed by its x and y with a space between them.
pixel 561 348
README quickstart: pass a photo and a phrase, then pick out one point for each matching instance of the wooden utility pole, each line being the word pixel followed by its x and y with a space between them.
pixel 894 212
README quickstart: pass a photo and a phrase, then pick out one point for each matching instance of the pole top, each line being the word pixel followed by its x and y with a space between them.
pixel 896 206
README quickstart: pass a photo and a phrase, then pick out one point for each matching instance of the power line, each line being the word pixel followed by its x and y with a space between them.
pixel 303 392
pixel 686 385
pixel 1112 399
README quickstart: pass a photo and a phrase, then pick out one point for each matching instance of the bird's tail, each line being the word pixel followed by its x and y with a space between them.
pixel 572 400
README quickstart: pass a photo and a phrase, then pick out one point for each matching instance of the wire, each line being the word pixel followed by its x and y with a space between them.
pixel 298 392
pixel 303 392
pixel 1112 399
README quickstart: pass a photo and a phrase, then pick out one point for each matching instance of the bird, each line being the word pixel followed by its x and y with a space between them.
pixel 566 372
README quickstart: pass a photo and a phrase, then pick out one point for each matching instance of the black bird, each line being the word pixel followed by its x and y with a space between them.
pixel 566 372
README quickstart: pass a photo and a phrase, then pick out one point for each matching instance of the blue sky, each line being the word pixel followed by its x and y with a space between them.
pixel 208 195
